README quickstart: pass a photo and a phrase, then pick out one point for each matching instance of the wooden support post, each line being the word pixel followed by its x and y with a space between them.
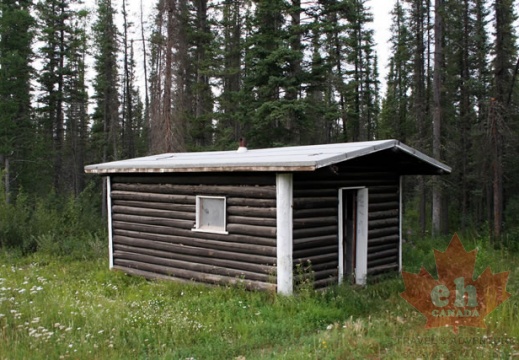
pixel 109 213
pixel 361 263
pixel 284 201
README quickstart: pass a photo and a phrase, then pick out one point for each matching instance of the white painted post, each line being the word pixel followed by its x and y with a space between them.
pixel 284 243
pixel 361 267
pixel 400 224
pixel 109 212
pixel 341 237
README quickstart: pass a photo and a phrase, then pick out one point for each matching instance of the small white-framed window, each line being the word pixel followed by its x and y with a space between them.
pixel 211 214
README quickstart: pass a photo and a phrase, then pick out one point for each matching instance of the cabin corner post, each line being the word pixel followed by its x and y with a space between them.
pixel 109 213
pixel 284 233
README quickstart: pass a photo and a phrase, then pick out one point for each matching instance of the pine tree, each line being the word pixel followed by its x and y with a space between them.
pixel 500 114
pixel 229 74
pixel 362 83
pixel 76 109
pixel 106 129
pixel 17 29
pixel 61 55
pixel 395 117
pixel 170 66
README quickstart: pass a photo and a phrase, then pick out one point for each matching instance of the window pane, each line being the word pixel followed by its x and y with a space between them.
pixel 212 214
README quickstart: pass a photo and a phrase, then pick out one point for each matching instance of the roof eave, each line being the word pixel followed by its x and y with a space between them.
pixel 107 171
pixel 442 168
pixel 358 153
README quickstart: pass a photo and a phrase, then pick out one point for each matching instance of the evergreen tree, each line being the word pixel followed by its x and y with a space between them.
pixel 362 84
pixel 16 29
pixel 106 128
pixel 395 118
pixel 132 124
pixel 76 108
pixel 500 112
pixel 229 73
pixel 62 55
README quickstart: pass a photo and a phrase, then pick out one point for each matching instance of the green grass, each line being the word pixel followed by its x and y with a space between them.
pixel 68 308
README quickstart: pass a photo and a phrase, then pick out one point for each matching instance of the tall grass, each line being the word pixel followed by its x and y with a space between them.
pixel 54 307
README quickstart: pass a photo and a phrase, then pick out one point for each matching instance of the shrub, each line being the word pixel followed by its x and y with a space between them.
pixel 58 225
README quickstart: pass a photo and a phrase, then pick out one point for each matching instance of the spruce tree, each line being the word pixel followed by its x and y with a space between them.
pixel 16 130
pixel 106 128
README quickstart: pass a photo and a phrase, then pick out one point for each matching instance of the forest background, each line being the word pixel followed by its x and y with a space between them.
pixel 278 72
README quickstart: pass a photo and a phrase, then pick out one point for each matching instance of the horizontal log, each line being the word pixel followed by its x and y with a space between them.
pixel 182 266
pixel 164 230
pixel 250 211
pixel 325 250
pixel 314 242
pixel 304 193
pixel 314 221
pixel 383 232
pixel 194 259
pixel 393 189
pixel 238 201
pixel 382 269
pixel 384 240
pixel 332 280
pixel 315 202
pixel 325 274
pixel 318 266
pixel 150 275
pixel 382 247
pixel 165 273
pixel 155 205
pixel 316 231
pixel 315 275
pixel 377 198
pixel 315 262
pixel 233 219
pixel 182 224
pixel 263 231
pixel 382 254
pixel 138 196
pixel 345 173
pixel 189 248
pixel 382 261
pixel 305 213
pixel 262 192
pixel 382 223
pixel 336 184
pixel 236 178
pixel 129 210
pixel 391 205
pixel 376 215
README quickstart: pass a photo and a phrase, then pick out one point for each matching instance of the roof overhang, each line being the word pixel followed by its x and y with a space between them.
pixel 285 159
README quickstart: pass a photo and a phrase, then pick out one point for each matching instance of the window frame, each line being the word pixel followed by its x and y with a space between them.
pixel 198 205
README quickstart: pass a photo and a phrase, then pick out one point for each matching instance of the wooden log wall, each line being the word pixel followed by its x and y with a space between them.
pixel 316 223
pixel 153 217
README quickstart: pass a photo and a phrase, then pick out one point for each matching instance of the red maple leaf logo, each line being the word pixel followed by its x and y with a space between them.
pixel 455 299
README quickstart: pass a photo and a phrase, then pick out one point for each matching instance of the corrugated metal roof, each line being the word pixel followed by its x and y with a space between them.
pixel 293 158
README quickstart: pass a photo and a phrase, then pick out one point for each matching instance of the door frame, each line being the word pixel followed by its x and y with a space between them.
pixel 361 235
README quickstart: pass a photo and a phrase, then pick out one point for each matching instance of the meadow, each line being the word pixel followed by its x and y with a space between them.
pixel 70 306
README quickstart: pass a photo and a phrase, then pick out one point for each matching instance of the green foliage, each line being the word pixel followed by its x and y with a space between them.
pixel 60 307
pixel 14 220
pixel 52 225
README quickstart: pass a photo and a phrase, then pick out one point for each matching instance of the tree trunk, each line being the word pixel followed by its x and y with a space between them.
pixel 437 113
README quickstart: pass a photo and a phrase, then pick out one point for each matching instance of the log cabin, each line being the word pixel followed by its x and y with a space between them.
pixel 264 218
